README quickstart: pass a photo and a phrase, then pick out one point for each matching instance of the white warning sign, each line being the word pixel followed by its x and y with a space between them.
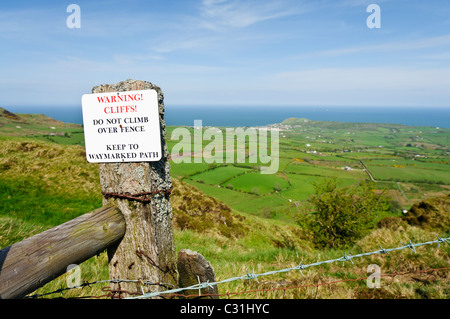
pixel 122 126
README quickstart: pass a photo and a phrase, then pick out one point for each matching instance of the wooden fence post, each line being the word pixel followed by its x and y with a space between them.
pixel 147 251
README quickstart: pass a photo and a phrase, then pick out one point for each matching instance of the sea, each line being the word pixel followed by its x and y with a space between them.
pixel 233 116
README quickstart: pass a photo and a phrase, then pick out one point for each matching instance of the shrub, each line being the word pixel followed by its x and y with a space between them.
pixel 338 217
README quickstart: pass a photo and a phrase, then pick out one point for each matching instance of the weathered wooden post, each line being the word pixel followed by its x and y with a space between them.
pixel 141 191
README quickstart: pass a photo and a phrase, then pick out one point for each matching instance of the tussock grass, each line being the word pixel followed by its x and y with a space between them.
pixel 256 252
pixel 13 230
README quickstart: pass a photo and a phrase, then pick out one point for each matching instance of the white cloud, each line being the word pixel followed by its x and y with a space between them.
pixel 365 86
pixel 370 79
pixel 238 14
pixel 357 3
pixel 438 56
pixel 411 45
pixel 223 25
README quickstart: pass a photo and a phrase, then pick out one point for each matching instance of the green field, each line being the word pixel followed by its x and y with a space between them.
pixel 219 175
pixel 311 151
pixel 338 172
pixel 409 170
pixel 258 183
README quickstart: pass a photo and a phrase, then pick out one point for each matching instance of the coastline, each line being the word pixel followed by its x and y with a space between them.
pixel 234 116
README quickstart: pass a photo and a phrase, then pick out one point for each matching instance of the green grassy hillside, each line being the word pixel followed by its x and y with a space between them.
pixel 45 182
pixel 41 127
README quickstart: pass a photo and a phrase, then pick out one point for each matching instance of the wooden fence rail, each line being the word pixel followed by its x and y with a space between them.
pixel 35 261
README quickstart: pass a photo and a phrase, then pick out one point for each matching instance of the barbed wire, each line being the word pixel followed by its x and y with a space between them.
pixel 176 292
pixel 112 281
pixel 140 197
pixel 228 294
pixel 115 293
pixel 300 267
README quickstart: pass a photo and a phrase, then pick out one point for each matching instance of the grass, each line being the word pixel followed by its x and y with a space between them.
pixel 32 202
pixel 220 175
pixel 182 170
pixel 411 172
pixel 45 181
pixel 13 230
pixel 258 183
pixel 231 258
pixel 308 169
pixel 302 186
pixel 226 195
pixel 41 127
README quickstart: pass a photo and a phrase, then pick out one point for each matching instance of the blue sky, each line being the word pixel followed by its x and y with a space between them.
pixel 229 52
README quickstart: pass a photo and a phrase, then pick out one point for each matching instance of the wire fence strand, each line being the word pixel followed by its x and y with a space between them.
pixel 310 285
pixel 178 292
pixel 300 267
